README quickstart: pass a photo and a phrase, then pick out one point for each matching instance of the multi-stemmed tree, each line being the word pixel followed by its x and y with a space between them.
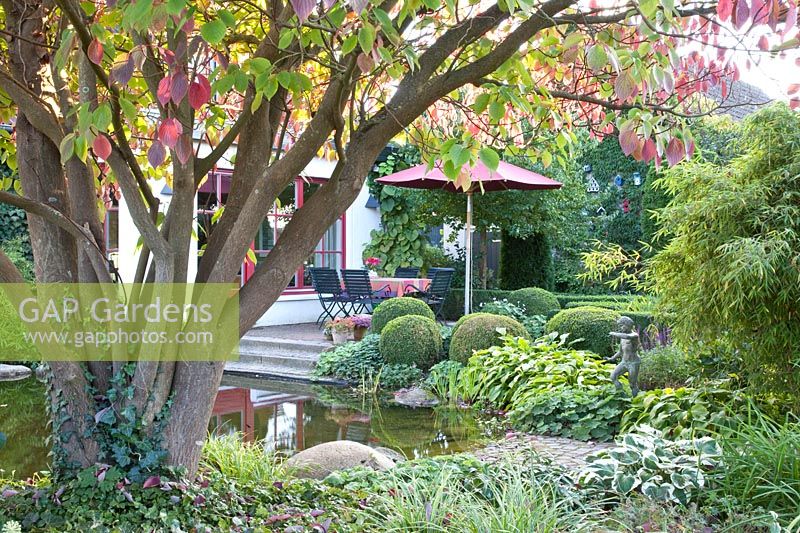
pixel 113 92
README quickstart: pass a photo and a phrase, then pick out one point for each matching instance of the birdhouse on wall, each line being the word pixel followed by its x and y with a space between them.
pixel 591 183
pixel 637 179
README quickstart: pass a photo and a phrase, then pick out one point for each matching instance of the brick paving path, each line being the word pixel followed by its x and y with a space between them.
pixel 569 453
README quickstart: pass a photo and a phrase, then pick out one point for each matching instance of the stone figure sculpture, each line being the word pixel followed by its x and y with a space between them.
pixel 628 354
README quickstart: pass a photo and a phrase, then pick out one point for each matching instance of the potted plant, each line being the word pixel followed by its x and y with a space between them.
pixel 372 264
pixel 361 324
pixel 341 328
pixel 327 330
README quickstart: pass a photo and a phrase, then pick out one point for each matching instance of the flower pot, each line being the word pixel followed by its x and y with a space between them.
pixel 340 337
pixel 359 332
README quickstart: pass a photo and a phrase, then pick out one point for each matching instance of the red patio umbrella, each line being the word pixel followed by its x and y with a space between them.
pixel 506 177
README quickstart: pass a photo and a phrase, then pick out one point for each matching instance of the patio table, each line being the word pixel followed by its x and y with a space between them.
pixel 399 286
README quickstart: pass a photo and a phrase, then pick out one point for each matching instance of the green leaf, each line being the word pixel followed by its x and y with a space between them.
pixel 227 18
pixel 174 7
pixel 213 31
pixel 287 36
pixel 481 103
pixel 597 58
pixel 81 148
pixel 349 44
pixel 285 79
pixel 497 110
pixel 67 148
pixel 489 157
pixel 271 87
pixel 366 38
pixel 102 117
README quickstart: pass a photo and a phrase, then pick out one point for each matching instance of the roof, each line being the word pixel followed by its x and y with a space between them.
pixel 742 99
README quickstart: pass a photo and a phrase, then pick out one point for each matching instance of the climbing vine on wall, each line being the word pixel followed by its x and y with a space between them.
pixel 400 241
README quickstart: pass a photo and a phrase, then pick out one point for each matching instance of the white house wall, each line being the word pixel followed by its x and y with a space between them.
pixel 290 308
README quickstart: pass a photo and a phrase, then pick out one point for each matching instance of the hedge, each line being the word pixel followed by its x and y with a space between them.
pixel 535 301
pixel 565 298
pixel 526 262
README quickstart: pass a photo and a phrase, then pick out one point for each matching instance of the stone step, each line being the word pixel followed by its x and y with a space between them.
pixel 291 360
pixel 252 344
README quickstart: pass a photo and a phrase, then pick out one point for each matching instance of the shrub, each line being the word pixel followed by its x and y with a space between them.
pixel 393 308
pixel 661 469
pixel 410 340
pixel 565 298
pixel 665 367
pixel 393 377
pixel 480 331
pixel 454 305
pixel 729 272
pixel 546 386
pixel 352 361
pixel 534 324
pixel 684 412
pixel 591 324
pixel 535 301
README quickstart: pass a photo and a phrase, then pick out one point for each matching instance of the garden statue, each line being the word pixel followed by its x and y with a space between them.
pixel 628 353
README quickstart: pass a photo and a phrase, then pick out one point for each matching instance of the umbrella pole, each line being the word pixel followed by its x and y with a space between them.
pixel 468 266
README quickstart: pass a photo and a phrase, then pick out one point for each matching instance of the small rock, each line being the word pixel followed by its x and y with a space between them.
pixel 13 372
pixel 319 461
pixel 415 397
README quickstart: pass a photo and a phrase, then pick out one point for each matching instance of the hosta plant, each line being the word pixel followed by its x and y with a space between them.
pixel 684 412
pixel 659 468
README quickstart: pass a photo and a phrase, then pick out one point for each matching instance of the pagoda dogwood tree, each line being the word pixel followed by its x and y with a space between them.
pixel 107 95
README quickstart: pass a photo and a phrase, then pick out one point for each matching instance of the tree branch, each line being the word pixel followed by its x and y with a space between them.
pixel 35 109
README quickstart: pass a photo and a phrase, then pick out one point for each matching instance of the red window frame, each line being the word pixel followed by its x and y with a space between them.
pixel 248 268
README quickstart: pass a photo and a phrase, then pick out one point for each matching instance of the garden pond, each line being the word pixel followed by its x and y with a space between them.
pixel 283 416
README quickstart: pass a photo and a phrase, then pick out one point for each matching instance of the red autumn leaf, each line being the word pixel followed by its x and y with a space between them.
pixel 794 103
pixel 156 154
pixel 365 62
pixel 690 146
pixel 95 52
pixel 183 149
pixel 763 43
pixel 303 8
pixel 358 5
pixel 101 147
pixel 742 13
pixel 791 19
pixel 759 10
pixel 169 131
pixel 628 140
pixel 724 9
pixel 649 150
pixel 164 92
pixel 179 87
pixel 199 92
pixel 676 151
pixel 724 88
pixel 625 86
pixel 793 88
pixel 122 71
pixel 152 481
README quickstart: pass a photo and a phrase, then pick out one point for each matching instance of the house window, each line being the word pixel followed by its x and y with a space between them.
pixel 329 251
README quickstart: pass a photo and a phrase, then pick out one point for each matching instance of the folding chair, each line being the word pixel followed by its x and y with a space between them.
pixel 438 291
pixel 359 290
pixel 332 297
pixel 406 272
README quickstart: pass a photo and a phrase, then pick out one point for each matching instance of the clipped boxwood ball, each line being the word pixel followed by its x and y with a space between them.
pixel 479 331
pixel 592 324
pixel 411 339
pixel 465 318
pixel 392 308
pixel 535 301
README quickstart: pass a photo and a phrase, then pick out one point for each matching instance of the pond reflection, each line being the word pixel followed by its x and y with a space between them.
pixel 286 420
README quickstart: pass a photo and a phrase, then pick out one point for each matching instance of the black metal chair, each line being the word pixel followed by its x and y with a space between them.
pixel 332 297
pixel 438 291
pixel 360 291
pixel 406 272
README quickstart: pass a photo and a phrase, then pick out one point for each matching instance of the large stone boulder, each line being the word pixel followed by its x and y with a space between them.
pixel 13 372
pixel 319 461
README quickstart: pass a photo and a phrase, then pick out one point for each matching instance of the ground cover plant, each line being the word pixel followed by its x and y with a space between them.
pixel 361 364
pixel 546 386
